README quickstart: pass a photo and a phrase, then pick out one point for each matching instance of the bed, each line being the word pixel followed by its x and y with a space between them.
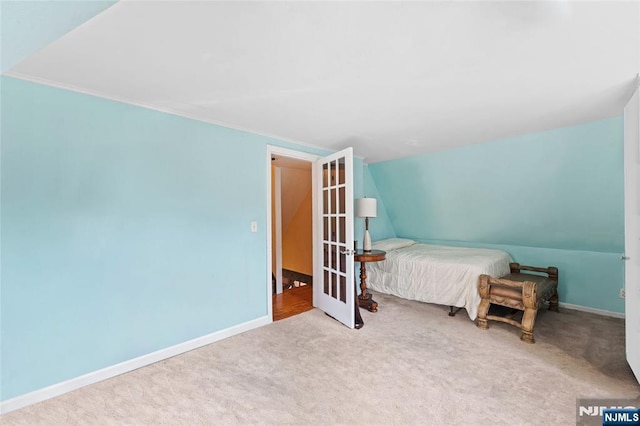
pixel 434 274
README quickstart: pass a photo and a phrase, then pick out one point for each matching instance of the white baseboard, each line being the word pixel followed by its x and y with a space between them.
pixel 591 310
pixel 126 366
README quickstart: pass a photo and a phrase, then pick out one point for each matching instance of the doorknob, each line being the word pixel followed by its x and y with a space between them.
pixel 348 252
pixel 623 257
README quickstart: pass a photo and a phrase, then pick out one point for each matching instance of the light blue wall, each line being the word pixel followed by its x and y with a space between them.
pixel 560 191
pixel 124 231
pixel 358 188
pixel 380 227
pixel 28 26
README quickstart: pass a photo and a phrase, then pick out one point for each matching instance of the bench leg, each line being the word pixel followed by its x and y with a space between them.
pixel 530 302
pixel 553 302
pixel 528 321
pixel 481 321
pixel 483 308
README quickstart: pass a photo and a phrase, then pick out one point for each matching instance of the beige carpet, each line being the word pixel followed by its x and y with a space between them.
pixel 410 364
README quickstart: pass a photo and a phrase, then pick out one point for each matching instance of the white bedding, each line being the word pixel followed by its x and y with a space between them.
pixel 436 274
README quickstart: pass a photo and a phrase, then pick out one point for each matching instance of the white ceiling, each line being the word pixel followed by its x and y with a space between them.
pixel 391 79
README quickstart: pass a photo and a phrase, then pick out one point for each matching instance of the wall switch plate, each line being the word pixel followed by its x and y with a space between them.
pixel 254 226
pixel 621 294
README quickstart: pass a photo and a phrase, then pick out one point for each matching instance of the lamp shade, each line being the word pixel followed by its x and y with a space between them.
pixel 366 207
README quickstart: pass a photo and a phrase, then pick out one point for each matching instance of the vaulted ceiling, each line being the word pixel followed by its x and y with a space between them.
pixel 391 79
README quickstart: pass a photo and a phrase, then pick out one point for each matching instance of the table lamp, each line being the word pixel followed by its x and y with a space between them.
pixel 366 207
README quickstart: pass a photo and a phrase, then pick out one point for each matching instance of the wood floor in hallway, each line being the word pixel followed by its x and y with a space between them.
pixel 292 302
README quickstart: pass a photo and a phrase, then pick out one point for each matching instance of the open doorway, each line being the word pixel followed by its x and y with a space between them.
pixel 332 231
pixel 292 225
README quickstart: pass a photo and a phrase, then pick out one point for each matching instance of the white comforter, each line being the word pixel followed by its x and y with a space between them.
pixel 437 274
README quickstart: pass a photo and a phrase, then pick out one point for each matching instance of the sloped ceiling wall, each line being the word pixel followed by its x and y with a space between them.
pixel 296 184
pixel 297 229
pixel 297 238
pixel 560 189
pixel 28 26
pixel 380 227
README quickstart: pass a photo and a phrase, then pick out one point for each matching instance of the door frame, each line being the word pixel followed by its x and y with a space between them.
pixel 631 229
pixel 298 155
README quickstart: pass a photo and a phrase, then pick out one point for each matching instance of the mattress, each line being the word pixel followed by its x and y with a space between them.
pixel 435 274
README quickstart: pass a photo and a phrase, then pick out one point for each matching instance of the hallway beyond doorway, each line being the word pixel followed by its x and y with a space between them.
pixel 292 302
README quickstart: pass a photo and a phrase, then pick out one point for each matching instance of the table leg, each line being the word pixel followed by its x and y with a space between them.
pixel 365 300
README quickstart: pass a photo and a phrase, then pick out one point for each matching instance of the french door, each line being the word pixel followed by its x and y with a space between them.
pixel 333 284
pixel 632 230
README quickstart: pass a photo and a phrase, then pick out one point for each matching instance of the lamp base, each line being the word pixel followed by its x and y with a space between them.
pixel 366 244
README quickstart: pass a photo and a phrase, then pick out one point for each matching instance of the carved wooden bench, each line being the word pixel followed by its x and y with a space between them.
pixel 522 291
